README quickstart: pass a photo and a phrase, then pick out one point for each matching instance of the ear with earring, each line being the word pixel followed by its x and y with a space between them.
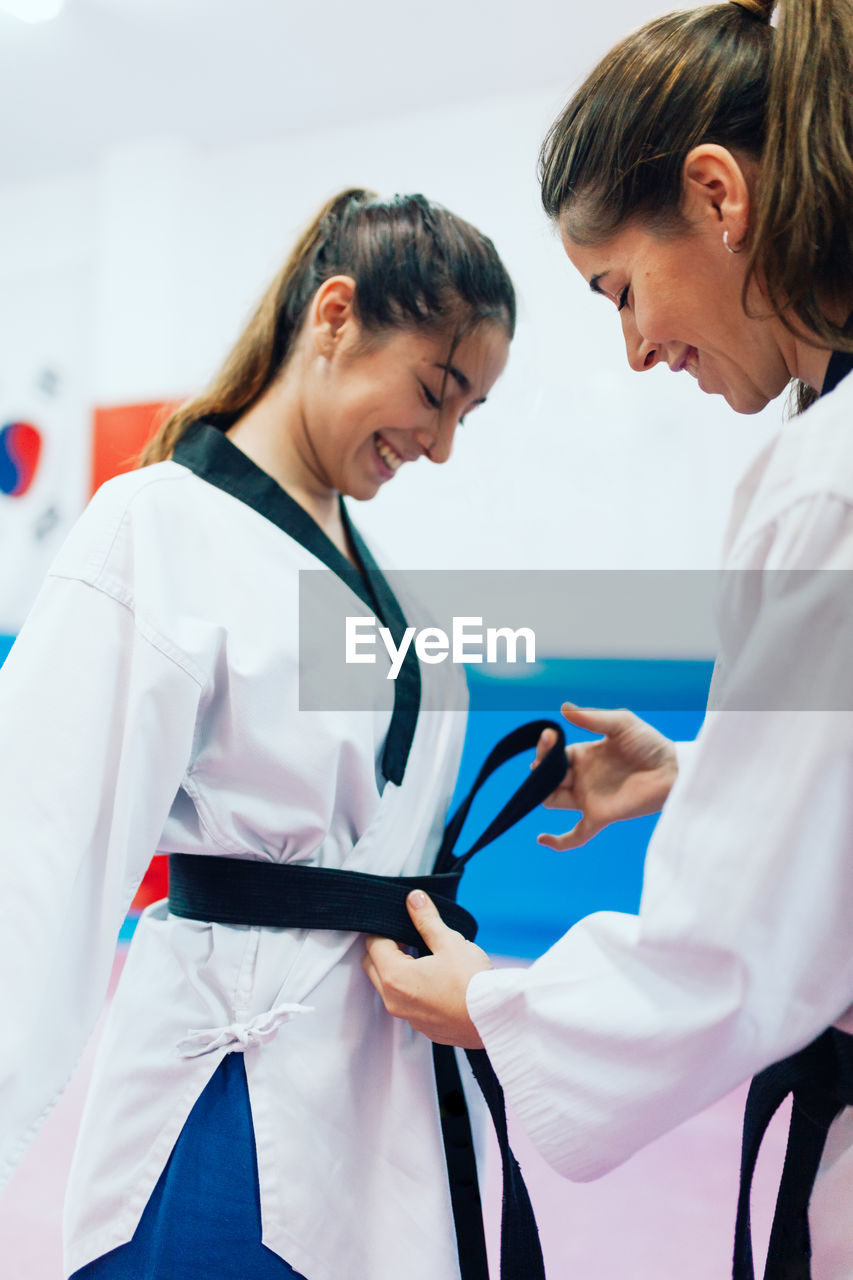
pixel 728 246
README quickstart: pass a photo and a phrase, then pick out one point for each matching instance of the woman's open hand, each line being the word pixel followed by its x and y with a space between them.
pixel 625 774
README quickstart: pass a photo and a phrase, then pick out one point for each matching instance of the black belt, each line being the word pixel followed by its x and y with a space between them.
pixel 288 895
pixel 820 1078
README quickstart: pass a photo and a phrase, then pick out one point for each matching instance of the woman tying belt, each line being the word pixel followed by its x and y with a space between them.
pixel 702 184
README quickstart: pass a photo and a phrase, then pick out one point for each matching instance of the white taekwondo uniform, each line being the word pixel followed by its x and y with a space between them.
pixel 151 703
pixel 742 951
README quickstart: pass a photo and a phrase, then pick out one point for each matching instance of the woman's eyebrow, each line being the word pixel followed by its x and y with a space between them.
pixel 464 384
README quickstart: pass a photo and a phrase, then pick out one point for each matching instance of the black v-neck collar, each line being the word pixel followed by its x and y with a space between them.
pixel 206 451
pixel 840 364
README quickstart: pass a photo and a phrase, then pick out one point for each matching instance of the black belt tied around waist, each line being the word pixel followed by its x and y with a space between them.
pixel 292 895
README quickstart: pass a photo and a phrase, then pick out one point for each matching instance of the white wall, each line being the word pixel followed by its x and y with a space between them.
pixel 575 462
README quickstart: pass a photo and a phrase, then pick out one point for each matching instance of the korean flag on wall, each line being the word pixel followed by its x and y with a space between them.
pixel 45 438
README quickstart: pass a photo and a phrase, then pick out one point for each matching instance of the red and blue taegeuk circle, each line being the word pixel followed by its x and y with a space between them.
pixel 20 448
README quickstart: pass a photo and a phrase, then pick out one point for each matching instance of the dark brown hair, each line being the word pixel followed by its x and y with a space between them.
pixel 414 263
pixel 723 74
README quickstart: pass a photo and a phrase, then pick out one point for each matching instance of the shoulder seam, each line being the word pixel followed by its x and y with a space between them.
pixel 148 633
pixel 97 564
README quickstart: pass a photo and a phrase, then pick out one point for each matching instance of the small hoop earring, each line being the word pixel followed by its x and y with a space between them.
pixel 728 246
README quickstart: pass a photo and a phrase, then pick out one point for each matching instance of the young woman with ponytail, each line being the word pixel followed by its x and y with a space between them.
pixel 702 182
pixel 253 1112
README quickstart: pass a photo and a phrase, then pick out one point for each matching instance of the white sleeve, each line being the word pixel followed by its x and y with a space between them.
pixel 741 951
pixel 684 752
pixel 96 730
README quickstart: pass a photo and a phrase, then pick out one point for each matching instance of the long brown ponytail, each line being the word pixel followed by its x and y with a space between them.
pixel 803 226
pixel 414 263
pixel 723 74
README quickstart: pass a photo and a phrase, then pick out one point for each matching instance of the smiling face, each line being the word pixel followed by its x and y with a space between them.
pixel 679 294
pixel 679 302
pixel 370 407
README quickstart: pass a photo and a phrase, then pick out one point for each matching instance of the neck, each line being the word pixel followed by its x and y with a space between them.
pixel 273 434
pixel 809 356
pixel 810 364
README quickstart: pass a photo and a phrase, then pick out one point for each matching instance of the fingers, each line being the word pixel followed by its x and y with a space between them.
pixel 579 835
pixel 381 961
pixel 383 951
pixel 372 972
pixel 428 922
pixel 564 797
pixel 547 738
pixel 429 992
pixel 596 720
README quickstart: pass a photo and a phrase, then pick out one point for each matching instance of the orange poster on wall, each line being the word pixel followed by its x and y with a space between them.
pixel 120 433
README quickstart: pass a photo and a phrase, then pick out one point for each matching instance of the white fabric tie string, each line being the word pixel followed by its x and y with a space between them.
pixel 239 1036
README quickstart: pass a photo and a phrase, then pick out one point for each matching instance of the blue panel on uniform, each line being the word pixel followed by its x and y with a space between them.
pixel 204 1215
pixel 6 643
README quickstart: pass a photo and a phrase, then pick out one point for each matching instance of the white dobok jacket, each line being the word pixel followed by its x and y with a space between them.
pixel 150 704
pixel 742 951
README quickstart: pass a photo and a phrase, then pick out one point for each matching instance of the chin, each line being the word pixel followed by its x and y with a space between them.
pixel 361 492
pixel 745 402
pixel 749 397
pixel 743 399
pixel 742 395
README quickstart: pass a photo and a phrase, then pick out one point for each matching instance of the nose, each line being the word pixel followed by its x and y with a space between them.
pixel 641 353
pixel 437 440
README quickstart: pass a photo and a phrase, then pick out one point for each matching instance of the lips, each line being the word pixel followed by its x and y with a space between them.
pixel 689 360
pixel 388 455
